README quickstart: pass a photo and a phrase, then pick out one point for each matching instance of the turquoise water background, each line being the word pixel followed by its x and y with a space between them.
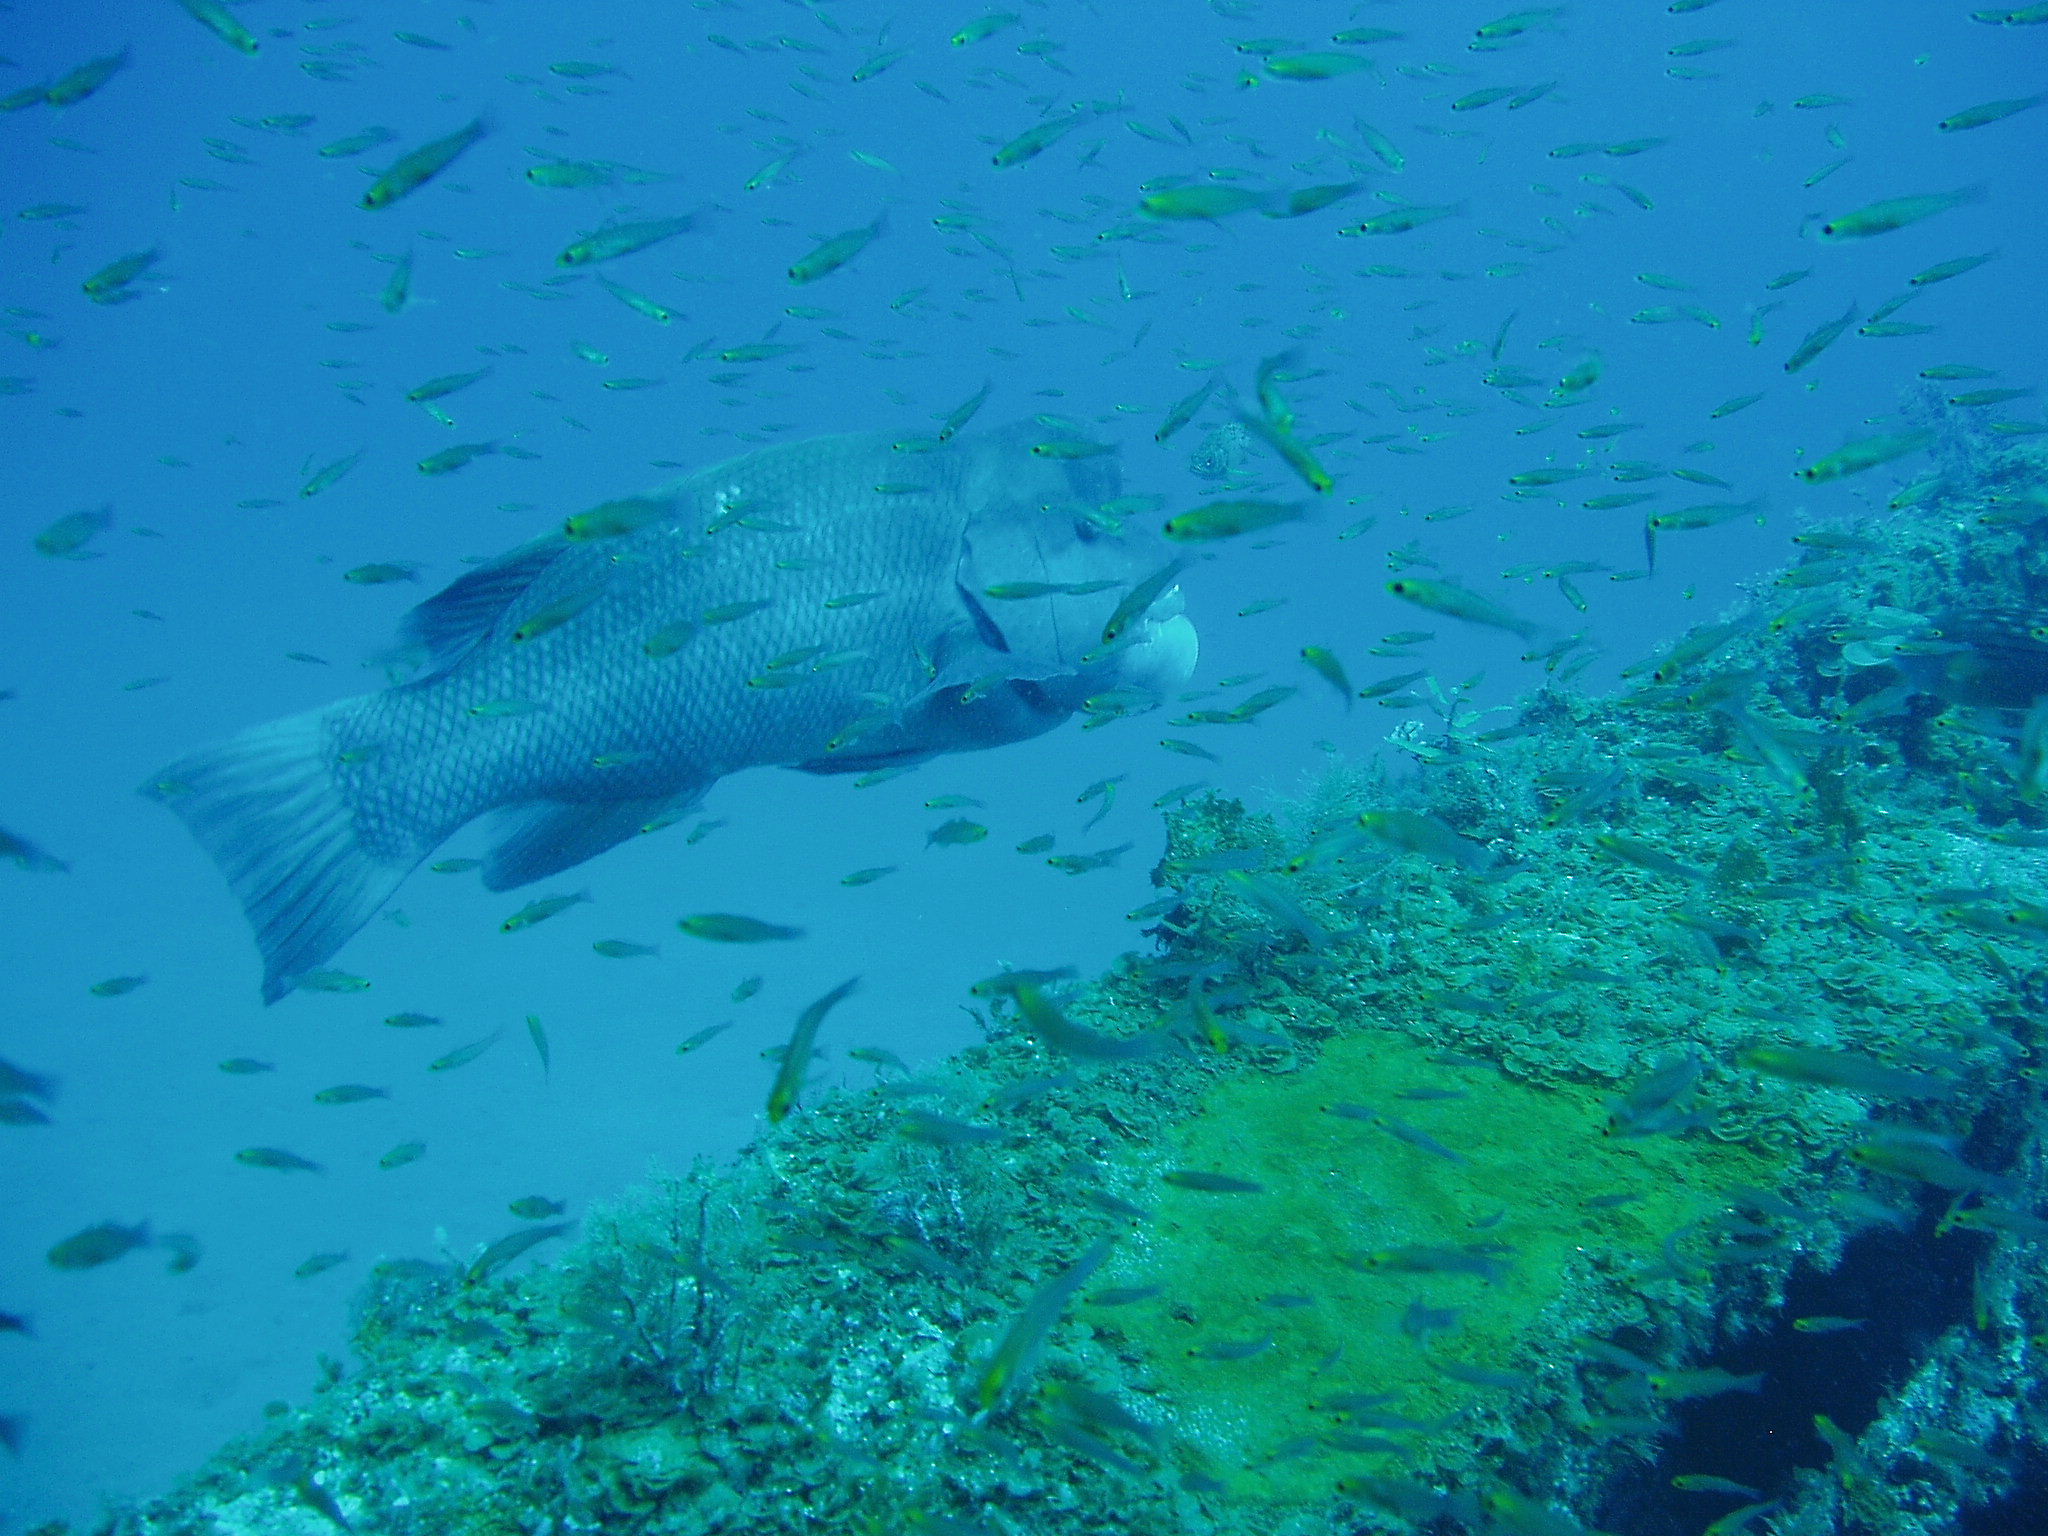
pixel 257 351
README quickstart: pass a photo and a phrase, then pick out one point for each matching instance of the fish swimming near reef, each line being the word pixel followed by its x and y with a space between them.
pixel 1982 660
pixel 663 659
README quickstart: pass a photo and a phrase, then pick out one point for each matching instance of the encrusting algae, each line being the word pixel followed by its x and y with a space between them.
pixel 1417 1182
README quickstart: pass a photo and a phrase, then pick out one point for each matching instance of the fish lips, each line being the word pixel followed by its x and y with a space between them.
pixel 1163 651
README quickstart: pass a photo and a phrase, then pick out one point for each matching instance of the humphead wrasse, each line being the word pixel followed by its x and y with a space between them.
pixel 316 819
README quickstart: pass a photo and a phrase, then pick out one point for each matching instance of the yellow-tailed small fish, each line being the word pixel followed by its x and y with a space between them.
pixel 702 1037
pixel 1865 454
pixel 350 1093
pixel 463 1055
pixel 1942 271
pixel 1324 663
pixel 412 171
pixel 448 460
pixel 732 928
pixel 616 519
pixel 552 617
pixel 1989 112
pixel 1701 1482
pixel 757 352
pixel 1203 202
pixel 67 537
pixel 1140 599
pixel 1036 140
pixel 398 288
pixel 1516 23
pixel 874 64
pixel 97 1245
pixel 1456 602
pixel 1819 339
pixel 639 303
pixel 1892 213
pixel 571 174
pixel 510 1247
pixel 81 82
pixel 1184 411
pixel 1307 200
pixel 1706 1381
pixel 540 910
pixel 323 478
pixel 1020 591
pixel 1229 519
pixel 1053 1028
pixel 1316 66
pixel 222 23
pixel 1296 454
pixel 109 285
pixel 796 1056
pixel 1413 216
pixel 328 980
pixel 355 143
pixel 984 27
pixel 380 573
pixel 1419 833
pixel 1850 1071
pixel 830 255
pixel 1070 448
pixel 1002 1376
pixel 770 173
pixel 618 240
pixel 276 1158
pixel 445 384
pixel 963 413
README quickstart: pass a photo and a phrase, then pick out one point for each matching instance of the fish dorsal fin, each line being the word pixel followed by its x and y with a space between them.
pixel 448 624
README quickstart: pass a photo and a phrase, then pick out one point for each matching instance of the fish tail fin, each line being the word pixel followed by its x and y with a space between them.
pixel 270 809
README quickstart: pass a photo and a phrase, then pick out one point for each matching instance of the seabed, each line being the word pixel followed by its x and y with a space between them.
pixel 1506 1224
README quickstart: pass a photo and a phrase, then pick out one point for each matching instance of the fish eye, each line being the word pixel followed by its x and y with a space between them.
pixel 1086 531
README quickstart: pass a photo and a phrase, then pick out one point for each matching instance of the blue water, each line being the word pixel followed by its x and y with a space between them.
pixel 256 351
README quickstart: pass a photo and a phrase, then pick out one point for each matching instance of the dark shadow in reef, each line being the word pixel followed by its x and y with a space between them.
pixel 1909 1285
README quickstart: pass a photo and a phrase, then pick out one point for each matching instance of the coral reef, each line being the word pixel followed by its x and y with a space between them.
pixel 1465 1151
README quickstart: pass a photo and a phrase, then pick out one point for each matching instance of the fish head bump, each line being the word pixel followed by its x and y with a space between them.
pixel 1036 522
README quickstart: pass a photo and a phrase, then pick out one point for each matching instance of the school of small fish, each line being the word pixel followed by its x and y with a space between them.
pixel 859 602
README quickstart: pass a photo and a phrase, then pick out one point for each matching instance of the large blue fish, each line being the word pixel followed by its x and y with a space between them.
pixel 586 687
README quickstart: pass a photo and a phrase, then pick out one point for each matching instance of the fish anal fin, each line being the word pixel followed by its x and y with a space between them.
pixel 545 837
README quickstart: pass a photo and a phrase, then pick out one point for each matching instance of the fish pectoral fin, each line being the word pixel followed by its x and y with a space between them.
pixel 962 656
pixel 980 666
pixel 986 629
pixel 545 837
pixel 454 619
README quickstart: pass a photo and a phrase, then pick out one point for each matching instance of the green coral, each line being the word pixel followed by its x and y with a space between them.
pixel 1538 1194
